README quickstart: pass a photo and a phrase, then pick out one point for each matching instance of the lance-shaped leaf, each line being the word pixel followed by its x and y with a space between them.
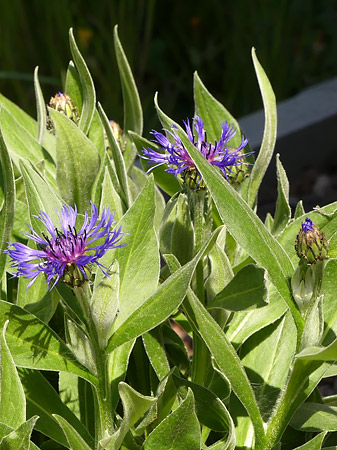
pixel 40 197
pixel 210 410
pixel 213 113
pixel 34 345
pixel 283 211
pixel 44 401
pixel 133 114
pixel 87 86
pixel 269 135
pixel 245 226
pixel 245 291
pixel 117 158
pixel 12 397
pixel 225 357
pixel 110 197
pixel 104 304
pixel 75 440
pixel 73 86
pixel 314 443
pixel 8 207
pixel 136 282
pixel 154 347
pixel 21 145
pixel 135 406
pixel 40 107
pixel 162 303
pixel 77 162
pixel 315 417
pixel 19 438
pixel 179 430
pixel 80 345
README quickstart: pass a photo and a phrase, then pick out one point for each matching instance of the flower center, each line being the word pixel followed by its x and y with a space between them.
pixel 66 247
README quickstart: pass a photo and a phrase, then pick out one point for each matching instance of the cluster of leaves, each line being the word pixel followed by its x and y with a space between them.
pixel 224 279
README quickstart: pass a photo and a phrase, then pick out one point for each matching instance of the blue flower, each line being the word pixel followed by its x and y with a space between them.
pixel 64 252
pixel 307 225
pixel 177 159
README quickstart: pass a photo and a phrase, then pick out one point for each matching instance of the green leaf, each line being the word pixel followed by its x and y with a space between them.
pixel 135 406
pixel 133 114
pixel 77 162
pixel 176 231
pixel 40 197
pixel 12 397
pixel 75 441
pixel 43 400
pixel 34 345
pixel 328 353
pixel 68 388
pixel 213 113
pixel 299 210
pixel 87 86
pixel 73 87
pixel 8 207
pixel 140 253
pixel 245 291
pixel 246 323
pixel 21 145
pixel 27 122
pixel 155 350
pixel 104 304
pixel 221 271
pixel 210 410
pixel 19 438
pixel 179 430
pixel 314 443
pixel 329 288
pixel 283 211
pixel 269 374
pixel 80 345
pixel 118 364
pixel 159 306
pixel 315 417
pixel 109 197
pixel 269 135
pixel 41 107
pixel 225 357
pixel 117 158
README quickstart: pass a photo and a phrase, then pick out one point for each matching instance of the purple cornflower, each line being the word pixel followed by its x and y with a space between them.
pixel 66 251
pixel 307 225
pixel 179 161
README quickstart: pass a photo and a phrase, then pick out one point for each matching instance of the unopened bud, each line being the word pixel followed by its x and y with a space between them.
pixel 63 103
pixel 311 244
pixel 74 277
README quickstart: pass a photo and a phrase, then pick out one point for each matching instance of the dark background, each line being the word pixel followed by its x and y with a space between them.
pixel 165 42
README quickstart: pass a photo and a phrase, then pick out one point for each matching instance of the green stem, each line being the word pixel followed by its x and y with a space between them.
pixel 103 407
pixel 201 357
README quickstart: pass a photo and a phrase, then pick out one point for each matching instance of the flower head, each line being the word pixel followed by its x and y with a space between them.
pixel 65 252
pixel 311 244
pixel 63 103
pixel 178 160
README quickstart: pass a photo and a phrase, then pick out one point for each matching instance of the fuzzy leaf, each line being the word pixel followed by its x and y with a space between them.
pixel 40 106
pixel 87 86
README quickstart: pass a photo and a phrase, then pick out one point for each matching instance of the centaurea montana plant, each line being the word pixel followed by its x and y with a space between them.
pixel 258 299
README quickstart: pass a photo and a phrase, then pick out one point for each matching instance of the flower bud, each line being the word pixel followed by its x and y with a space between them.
pixel 239 172
pixel 311 244
pixel 63 103
pixel 74 277
pixel 303 284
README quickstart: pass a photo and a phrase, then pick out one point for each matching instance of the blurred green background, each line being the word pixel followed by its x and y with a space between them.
pixel 165 42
